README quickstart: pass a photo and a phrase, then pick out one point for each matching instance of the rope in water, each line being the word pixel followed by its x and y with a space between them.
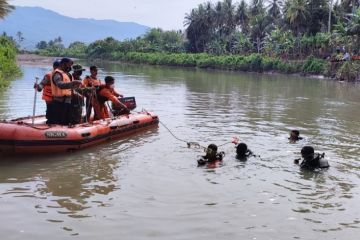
pixel 189 144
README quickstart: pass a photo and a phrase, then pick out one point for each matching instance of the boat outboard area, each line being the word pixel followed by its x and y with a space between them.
pixel 30 135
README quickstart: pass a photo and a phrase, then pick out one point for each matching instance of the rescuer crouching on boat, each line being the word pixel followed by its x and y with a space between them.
pixel 312 160
pixel 91 81
pixel 107 93
pixel 61 88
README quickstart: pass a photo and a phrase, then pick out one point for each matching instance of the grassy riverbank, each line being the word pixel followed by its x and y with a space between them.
pixel 248 63
pixel 236 62
pixel 8 68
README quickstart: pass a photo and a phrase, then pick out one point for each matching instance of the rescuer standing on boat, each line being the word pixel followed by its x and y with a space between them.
pixel 45 87
pixel 77 99
pixel 91 81
pixel 61 86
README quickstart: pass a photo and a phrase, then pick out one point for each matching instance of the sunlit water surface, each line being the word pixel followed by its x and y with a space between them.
pixel 148 186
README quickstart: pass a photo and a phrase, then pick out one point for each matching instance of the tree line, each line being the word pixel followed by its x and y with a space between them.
pixel 299 34
pixel 8 50
pixel 289 29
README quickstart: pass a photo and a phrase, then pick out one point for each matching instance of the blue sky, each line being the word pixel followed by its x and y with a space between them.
pixel 167 14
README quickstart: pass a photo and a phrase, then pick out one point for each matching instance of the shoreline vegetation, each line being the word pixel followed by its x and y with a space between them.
pixel 309 37
pixel 311 66
pixel 8 67
pixel 316 68
pixel 306 37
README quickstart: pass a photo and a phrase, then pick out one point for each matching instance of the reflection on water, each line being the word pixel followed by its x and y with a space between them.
pixel 67 187
pixel 149 185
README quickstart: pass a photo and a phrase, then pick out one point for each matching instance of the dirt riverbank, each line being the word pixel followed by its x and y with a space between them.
pixel 33 59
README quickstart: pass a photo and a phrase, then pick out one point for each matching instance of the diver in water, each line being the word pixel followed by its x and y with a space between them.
pixel 242 152
pixel 294 136
pixel 211 156
pixel 312 160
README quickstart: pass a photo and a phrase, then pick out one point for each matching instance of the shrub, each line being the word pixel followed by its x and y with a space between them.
pixel 314 65
pixel 8 67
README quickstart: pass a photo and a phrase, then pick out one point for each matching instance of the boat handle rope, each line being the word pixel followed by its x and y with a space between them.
pixel 37 128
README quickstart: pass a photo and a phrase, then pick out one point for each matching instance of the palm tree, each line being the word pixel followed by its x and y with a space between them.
pixel 259 28
pixel 5 8
pixel 242 17
pixel 219 20
pixel 350 6
pixel 257 7
pixel 274 9
pixel 228 10
pixel 296 16
pixel 354 27
pixel 199 27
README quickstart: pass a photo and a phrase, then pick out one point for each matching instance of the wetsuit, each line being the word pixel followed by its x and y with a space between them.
pixel 317 161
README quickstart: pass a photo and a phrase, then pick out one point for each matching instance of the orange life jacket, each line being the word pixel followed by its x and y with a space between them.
pixel 91 82
pixel 46 92
pixel 55 90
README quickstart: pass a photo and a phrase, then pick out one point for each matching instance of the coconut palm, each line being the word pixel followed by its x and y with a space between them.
pixel 242 17
pixel 354 28
pixel 5 8
pixel 354 24
pixel 296 14
pixel 350 6
pixel 260 26
pixel 228 10
pixel 274 9
pixel 199 27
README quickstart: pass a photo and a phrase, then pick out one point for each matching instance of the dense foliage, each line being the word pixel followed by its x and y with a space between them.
pixel 8 67
pixel 288 36
pixel 5 8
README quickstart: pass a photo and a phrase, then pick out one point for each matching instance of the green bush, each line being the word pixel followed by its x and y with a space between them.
pixel 314 66
pixel 8 67
pixel 349 71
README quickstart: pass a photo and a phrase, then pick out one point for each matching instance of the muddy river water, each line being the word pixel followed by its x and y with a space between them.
pixel 148 186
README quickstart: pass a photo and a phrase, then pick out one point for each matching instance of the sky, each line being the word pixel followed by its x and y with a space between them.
pixel 166 14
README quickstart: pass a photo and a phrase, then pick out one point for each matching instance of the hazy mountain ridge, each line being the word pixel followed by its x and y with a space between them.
pixel 37 24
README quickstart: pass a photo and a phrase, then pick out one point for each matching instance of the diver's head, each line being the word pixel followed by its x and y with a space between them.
pixel 241 149
pixel 294 134
pixel 211 151
pixel 307 152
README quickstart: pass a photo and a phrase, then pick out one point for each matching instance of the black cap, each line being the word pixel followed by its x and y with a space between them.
pixel 93 68
pixel 241 149
pixel 296 132
pixel 65 60
pixel 213 147
pixel 109 79
pixel 56 63
pixel 77 67
pixel 307 151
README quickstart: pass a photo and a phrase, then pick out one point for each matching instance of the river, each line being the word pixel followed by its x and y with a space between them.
pixel 149 186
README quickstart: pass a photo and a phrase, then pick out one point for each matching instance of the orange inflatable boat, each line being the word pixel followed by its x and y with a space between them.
pixel 21 136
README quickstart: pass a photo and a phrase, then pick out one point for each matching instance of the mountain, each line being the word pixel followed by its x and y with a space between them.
pixel 37 24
